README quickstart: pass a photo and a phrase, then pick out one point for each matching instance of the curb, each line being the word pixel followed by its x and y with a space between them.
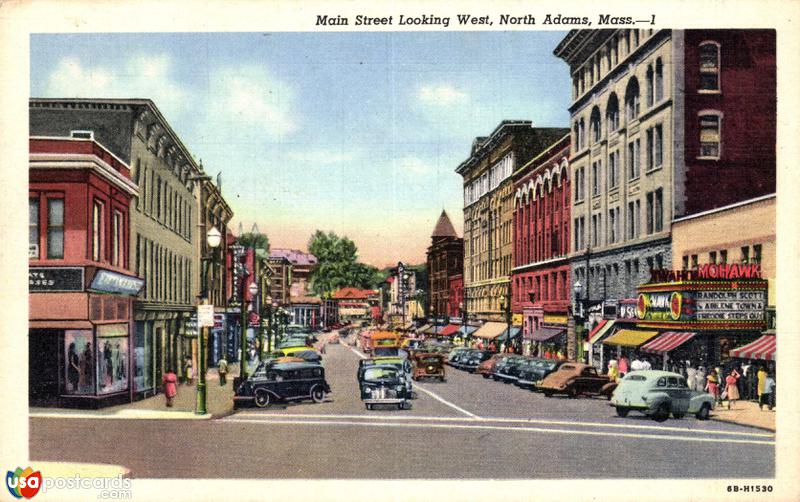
pixel 742 424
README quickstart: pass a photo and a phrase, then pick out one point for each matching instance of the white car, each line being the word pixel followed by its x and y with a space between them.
pixel 659 394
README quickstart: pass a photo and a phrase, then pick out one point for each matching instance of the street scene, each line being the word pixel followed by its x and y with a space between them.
pixel 485 255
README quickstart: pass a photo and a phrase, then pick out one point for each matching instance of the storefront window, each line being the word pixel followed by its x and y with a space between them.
pixel 143 357
pixel 79 362
pixel 112 358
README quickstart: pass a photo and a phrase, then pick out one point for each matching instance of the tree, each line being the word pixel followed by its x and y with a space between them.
pixel 253 240
pixel 338 266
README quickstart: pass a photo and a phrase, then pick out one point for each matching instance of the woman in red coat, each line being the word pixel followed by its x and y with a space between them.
pixel 170 381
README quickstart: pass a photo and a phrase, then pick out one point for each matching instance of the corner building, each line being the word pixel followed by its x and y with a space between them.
pixel 488 212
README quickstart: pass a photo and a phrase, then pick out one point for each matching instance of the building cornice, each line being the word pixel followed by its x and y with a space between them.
pixel 83 161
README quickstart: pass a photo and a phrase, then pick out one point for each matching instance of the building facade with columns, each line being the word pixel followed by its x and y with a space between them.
pixel 488 212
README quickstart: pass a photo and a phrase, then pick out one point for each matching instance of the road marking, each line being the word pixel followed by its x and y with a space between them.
pixel 423 389
pixel 478 426
pixel 268 416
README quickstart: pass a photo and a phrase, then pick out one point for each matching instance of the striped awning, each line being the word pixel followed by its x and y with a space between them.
pixel 490 330
pixel 599 331
pixel 764 348
pixel 629 337
pixel 668 341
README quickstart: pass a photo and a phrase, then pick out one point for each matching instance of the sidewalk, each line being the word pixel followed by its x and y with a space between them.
pixel 219 403
pixel 745 413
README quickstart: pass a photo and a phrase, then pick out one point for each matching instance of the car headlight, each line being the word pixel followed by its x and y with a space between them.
pixel 539 382
pixel 399 388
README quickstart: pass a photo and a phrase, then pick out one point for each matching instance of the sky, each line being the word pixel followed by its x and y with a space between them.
pixel 356 133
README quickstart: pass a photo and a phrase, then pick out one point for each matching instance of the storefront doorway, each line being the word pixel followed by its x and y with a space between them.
pixel 44 367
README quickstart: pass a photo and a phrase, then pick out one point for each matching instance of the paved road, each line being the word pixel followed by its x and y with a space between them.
pixel 467 427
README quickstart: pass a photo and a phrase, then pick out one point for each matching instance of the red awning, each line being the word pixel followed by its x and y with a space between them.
pixel 666 342
pixel 764 348
pixel 449 330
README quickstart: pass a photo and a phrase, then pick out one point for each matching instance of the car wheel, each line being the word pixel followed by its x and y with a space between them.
pixel 484 375
pixel 622 411
pixel 506 381
pixel 678 415
pixel 441 379
pixel 572 392
pixel 495 378
pixel 399 406
pixel 662 412
pixel 704 412
pixel 263 398
pixel 547 393
pixel 369 406
pixel 317 394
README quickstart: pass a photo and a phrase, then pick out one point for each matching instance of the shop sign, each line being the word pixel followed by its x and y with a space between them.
pixel 736 305
pixel 516 320
pixel 205 316
pixel 55 279
pixel 111 282
pixel 712 271
pixel 659 306
pixel 555 319
pixel 626 310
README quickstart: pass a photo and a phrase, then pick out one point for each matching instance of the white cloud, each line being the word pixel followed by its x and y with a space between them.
pixel 142 76
pixel 441 94
pixel 413 166
pixel 323 156
pixel 254 103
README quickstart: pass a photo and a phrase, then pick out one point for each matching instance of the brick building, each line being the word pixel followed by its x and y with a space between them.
pixel 444 259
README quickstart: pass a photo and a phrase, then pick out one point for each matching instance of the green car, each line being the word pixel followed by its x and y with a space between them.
pixel 659 394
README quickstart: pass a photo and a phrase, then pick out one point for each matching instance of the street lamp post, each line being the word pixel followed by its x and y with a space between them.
pixel 243 322
pixel 572 323
pixel 213 239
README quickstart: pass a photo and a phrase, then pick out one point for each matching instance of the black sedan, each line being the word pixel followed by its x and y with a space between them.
pixel 535 371
pixel 273 382
pixel 506 370
pixel 471 361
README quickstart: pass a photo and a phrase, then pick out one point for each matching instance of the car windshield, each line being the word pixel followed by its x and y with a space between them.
pixel 380 374
pixel 545 365
pixel 635 378
pixel 430 360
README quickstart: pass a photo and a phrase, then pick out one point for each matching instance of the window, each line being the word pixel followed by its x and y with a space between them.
pixel 633 160
pixel 757 253
pixel 596 166
pixel 117 242
pixel 139 179
pixel 580 183
pixel 650 85
pixel 613 169
pixel 596 223
pixel 612 113
pixel 55 228
pixel 694 262
pixel 594 125
pixel 659 210
pixel 745 254
pixel 709 66
pixel 632 99
pixel 649 148
pixel 659 146
pixel 685 262
pixel 580 235
pixel 614 51
pixel 712 257
pixel 723 256
pixel 649 213
pixel 659 83
pixel 613 225
pixel 33 228
pixel 97 231
pixel 710 136
pixel 633 219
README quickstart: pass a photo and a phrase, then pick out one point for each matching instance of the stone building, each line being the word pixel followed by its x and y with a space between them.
pixel 445 259
pixel 488 212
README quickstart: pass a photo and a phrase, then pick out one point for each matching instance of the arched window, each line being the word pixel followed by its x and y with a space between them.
pixel 650 84
pixel 709 66
pixel 612 113
pixel 659 85
pixel 594 124
pixel 632 99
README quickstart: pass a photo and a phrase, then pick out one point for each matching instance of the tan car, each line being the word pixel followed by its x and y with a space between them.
pixel 574 379
pixel 428 365
pixel 486 368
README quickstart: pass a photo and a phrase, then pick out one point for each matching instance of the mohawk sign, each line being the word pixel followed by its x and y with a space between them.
pixel 712 271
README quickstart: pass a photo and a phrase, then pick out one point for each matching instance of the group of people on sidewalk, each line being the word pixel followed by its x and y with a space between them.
pixel 170 380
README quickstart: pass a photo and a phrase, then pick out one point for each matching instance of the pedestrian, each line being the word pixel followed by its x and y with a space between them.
pixel 712 384
pixel 170 382
pixel 636 364
pixel 613 371
pixel 187 371
pixel 322 348
pixel 761 377
pixel 690 375
pixel 700 379
pixel 720 382
pixel 623 366
pixel 731 388
pixel 767 396
pixel 222 368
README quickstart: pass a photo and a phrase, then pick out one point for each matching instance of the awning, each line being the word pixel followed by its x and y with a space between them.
pixel 490 330
pixel 506 336
pixel 466 330
pixel 544 334
pixel 423 328
pixel 629 337
pixel 764 348
pixel 599 331
pixel 434 329
pixel 449 330
pixel 668 341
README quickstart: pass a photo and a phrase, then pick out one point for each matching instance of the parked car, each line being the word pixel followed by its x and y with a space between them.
pixel 505 370
pixel 383 384
pixel 476 357
pixel 659 393
pixel 535 370
pixel 455 353
pixel 486 368
pixel 290 381
pixel 574 379
pixel 460 358
pixel 428 365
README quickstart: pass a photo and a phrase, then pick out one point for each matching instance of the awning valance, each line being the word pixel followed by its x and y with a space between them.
pixel 449 330
pixel 629 337
pixel 764 348
pixel 490 330
pixel 544 334
pixel 599 331
pixel 667 342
